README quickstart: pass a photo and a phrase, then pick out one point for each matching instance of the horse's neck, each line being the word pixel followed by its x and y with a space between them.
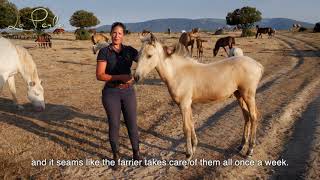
pixel 169 67
pixel 26 66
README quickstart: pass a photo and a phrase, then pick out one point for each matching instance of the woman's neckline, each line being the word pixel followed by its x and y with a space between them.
pixel 118 50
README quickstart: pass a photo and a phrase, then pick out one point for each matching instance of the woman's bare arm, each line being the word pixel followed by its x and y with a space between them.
pixel 102 76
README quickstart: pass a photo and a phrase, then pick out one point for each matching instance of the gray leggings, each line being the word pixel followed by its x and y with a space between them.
pixel 114 101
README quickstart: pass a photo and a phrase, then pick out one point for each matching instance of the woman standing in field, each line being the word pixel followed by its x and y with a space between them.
pixel 114 67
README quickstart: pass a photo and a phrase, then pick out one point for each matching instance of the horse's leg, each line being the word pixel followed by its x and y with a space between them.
pixel 194 139
pixel 251 103
pixel 198 53
pixel 2 82
pixel 191 49
pixel 226 51
pixel 12 88
pixel 245 112
pixel 185 108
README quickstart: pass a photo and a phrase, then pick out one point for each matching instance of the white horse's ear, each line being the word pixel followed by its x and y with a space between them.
pixel 31 83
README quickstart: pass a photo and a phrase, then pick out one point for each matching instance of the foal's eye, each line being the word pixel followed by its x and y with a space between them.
pixel 149 56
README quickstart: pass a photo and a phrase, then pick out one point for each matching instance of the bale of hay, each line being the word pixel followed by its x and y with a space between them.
pixel 317 27
pixel 219 32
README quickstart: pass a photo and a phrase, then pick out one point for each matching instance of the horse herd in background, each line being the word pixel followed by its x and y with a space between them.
pixel 187 39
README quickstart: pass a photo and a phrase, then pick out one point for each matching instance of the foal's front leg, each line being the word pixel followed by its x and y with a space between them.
pixel 187 128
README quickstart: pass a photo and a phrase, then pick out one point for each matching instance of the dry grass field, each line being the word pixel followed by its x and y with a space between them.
pixel 73 126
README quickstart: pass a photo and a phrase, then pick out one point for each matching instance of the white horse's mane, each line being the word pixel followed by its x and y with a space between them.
pixel 29 67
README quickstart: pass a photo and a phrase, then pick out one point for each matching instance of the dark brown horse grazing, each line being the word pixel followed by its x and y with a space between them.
pixel 223 42
pixel 44 41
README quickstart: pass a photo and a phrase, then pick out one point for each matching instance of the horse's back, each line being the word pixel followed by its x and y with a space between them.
pixel 248 70
pixel 9 57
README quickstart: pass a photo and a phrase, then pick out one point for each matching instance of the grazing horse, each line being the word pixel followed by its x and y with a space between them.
pixel 187 39
pixel 265 30
pixel 189 81
pixel 58 31
pixel 14 59
pixel 223 42
pixel 44 40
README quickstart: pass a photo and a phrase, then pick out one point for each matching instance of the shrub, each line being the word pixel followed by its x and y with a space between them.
pixel 83 34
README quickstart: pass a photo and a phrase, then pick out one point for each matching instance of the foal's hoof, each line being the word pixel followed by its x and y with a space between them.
pixel 188 156
pixel 249 153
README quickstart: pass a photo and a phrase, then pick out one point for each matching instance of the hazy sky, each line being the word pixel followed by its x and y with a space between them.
pixel 142 10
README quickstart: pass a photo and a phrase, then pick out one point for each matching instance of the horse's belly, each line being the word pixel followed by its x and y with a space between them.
pixel 208 96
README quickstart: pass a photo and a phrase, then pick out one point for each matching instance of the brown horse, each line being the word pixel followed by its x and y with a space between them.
pixel 58 31
pixel 223 42
pixel 44 41
pixel 200 47
pixel 187 39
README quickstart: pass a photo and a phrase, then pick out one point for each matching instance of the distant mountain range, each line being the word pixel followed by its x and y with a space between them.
pixel 209 24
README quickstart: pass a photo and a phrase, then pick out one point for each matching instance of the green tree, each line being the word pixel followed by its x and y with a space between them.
pixel 38 18
pixel 244 17
pixel 8 14
pixel 82 19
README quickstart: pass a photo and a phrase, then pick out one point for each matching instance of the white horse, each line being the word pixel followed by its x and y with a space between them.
pixel 14 59
pixel 235 51
pixel 189 81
